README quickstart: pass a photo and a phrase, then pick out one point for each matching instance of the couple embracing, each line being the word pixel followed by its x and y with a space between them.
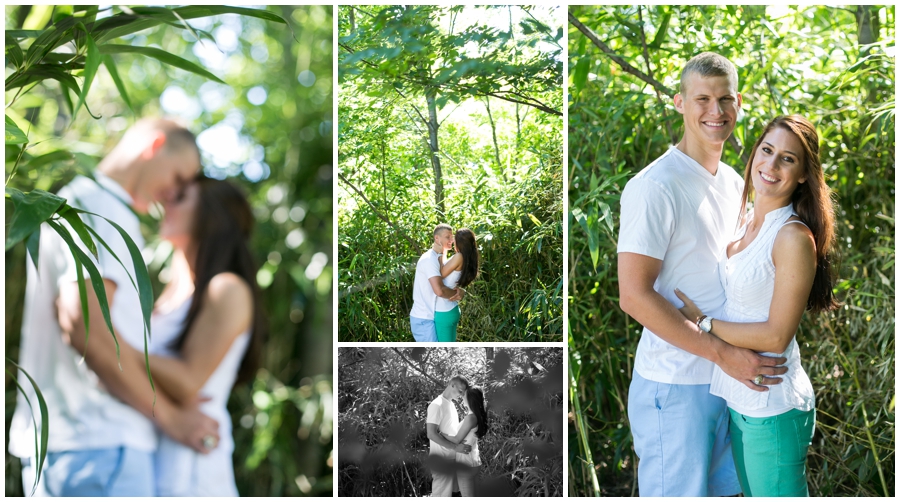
pixel 456 420
pixel 439 282
pixel 719 402
pixel 110 433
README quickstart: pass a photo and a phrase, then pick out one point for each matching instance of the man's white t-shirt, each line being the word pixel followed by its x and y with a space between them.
pixel 442 412
pixel 424 298
pixel 82 414
pixel 674 210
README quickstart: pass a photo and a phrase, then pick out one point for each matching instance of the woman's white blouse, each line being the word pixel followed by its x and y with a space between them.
pixel 179 470
pixel 749 281
pixel 443 304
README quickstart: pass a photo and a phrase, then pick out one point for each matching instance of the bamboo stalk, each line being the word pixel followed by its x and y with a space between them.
pixel 582 434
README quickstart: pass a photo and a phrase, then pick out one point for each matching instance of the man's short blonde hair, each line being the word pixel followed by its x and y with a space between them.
pixel 709 64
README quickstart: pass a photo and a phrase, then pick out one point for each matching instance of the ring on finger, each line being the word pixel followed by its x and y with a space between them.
pixel 759 379
pixel 209 442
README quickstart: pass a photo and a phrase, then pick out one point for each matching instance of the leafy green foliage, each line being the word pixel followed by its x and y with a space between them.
pixel 383 397
pixel 836 67
pixel 446 117
pixel 283 161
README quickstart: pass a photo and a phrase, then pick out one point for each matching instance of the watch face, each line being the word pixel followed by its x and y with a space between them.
pixel 706 324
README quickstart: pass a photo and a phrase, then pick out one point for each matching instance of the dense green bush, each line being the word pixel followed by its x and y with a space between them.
pixel 383 397
pixel 836 67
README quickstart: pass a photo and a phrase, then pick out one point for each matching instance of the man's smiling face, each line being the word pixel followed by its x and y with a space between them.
pixel 710 107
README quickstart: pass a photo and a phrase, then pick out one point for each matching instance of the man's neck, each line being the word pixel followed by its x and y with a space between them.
pixel 120 173
pixel 437 248
pixel 707 155
pixel 446 394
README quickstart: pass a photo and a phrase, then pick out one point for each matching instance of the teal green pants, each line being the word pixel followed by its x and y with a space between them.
pixel 445 323
pixel 770 452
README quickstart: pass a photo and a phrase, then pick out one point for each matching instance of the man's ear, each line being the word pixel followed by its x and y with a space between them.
pixel 157 142
pixel 679 103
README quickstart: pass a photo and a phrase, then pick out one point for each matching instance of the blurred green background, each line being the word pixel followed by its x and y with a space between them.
pixel 269 129
pixel 835 66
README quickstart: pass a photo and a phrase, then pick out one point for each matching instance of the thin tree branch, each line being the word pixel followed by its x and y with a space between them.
pixel 672 136
pixel 413 366
pixel 621 62
pixel 382 217
pixel 732 140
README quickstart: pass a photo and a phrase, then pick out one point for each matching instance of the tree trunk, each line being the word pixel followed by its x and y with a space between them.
pixel 487 104
pixel 867 28
pixel 433 125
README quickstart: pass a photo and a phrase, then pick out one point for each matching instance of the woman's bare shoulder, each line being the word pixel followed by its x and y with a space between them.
pixel 229 292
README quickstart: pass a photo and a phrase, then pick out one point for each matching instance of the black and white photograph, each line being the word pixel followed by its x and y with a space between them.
pixel 442 422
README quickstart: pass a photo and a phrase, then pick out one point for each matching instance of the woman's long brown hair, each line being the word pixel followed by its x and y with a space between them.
pixel 465 244
pixel 223 222
pixel 812 202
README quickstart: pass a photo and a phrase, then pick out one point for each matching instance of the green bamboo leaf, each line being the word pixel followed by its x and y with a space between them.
pixel 113 254
pixel 580 75
pixel 80 228
pixel 82 293
pixel 593 234
pixel 195 11
pixel 33 245
pixel 48 159
pixel 14 52
pixel 14 135
pixel 24 33
pixel 160 55
pixel 96 279
pixel 61 12
pixel 144 286
pixel 114 73
pixel 45 422
pixel 29 211
pixel 121 25
pixel 91 64
pixel 38 73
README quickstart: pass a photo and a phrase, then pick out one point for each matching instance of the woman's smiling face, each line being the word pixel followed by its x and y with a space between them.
pixel 778 164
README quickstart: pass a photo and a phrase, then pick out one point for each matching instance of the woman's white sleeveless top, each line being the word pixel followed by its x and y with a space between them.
pixel 473 458
pixel 749 281
pixel 443 304
pixel 180 471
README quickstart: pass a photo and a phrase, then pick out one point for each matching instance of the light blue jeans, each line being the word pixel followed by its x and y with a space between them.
pixel 681 437
pixel 423 330
pixel 113 472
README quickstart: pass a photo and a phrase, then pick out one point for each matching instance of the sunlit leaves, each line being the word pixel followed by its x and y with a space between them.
pixel 32 209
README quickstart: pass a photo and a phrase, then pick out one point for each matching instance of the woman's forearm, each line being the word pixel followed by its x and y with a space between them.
pixel 758 336
pixel 174 376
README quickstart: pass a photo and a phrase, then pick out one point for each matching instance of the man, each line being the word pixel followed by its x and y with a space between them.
pixel 429 285
pixel 443 417
pixel 678 214
pixel 102 413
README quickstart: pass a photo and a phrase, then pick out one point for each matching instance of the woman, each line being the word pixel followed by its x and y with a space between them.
pixel 474 426
pixel 458 272
pixel 778 266
pixel 207 328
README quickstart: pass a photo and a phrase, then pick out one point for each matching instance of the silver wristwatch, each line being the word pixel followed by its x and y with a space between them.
pixel 705 323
